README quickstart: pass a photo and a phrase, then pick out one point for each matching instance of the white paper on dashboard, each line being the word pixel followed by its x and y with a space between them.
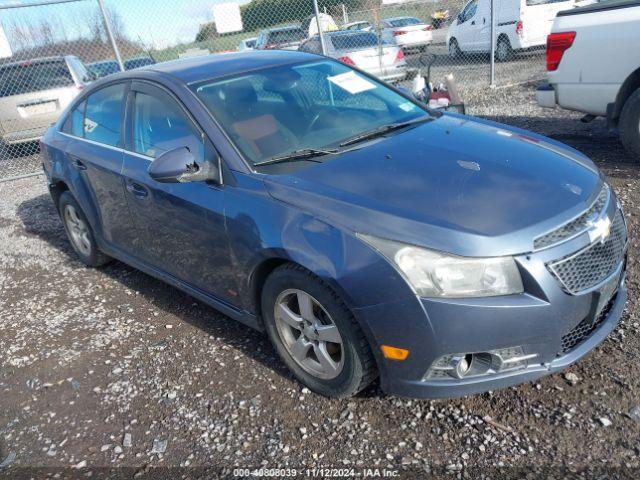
pixel 352 82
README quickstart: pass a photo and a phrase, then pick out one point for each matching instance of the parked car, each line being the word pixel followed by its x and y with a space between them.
pixel 363 50
pixel 283 38
pixel 366 234
pixel 104 68
pixel 406 32
pixel 591 68
pixel 247 44
pixel 520 25
pixel 34 92
pixel 138 62
pixel 364 26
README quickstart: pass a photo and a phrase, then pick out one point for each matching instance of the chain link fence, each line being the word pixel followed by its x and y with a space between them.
pixel 51 49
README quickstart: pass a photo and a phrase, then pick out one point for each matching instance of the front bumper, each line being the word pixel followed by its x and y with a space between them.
pixel 542 322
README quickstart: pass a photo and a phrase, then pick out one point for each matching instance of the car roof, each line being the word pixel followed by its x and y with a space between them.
pixel 195 69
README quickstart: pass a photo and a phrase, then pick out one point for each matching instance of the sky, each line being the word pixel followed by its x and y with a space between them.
pixel 158 23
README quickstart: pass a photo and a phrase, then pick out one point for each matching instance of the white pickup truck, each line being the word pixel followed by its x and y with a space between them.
pixel 593 65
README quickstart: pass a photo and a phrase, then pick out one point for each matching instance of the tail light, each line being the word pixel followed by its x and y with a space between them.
pixel 270 46
pixel 347 61
pixel 397 33
pixel 427 28
pixel 519 27
pixel 400 55
pixel 557 44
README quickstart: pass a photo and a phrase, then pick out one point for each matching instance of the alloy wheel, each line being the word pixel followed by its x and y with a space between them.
pixel 309 334
pixel 78 230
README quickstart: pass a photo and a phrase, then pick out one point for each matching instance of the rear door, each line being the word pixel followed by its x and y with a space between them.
pixel 32 96
pixel 94 150
pixel 181 226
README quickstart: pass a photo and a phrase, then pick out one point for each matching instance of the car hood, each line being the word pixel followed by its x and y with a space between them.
pixel 466 186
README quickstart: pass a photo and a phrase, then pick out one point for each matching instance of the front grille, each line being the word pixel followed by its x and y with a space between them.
pixel 574 227
pixel 587 268
pixel 584 329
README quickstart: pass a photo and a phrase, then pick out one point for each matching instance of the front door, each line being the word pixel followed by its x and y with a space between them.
pixel 181 226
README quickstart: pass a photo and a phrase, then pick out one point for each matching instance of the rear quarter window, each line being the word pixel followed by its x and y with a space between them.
pixel 26 77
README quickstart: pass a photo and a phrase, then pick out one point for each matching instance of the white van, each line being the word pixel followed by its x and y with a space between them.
pixel 520 24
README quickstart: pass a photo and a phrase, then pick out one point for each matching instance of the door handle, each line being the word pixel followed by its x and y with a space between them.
pixel 137 190
pixel 77 164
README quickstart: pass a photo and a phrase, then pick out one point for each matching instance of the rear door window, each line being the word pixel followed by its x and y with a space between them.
pixel 103 116
pixel 26 77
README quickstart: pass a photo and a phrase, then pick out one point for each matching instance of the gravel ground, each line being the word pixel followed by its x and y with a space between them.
pixel 112 369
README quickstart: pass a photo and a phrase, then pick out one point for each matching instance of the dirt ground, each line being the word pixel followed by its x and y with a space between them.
pixel 111 372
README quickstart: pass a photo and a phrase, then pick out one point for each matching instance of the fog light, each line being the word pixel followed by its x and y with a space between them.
pixel 460 366
pixel 464 365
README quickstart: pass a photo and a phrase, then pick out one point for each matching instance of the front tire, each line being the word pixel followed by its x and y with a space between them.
pixel 629 125
pixel 315 334
pixel 79 232
pixel 504 51
pixel 454 49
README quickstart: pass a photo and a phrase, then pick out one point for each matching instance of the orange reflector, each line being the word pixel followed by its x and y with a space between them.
pixel 394 353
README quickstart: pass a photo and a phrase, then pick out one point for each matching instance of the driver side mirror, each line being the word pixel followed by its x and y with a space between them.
pixel 179 166
pixel 460 18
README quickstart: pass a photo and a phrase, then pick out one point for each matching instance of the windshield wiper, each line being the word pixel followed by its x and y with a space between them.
pixel 302 154
pixel 381 130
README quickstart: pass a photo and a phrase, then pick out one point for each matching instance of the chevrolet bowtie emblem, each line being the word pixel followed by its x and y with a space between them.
pixel 599 229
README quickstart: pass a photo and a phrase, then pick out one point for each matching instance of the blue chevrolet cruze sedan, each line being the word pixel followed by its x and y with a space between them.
pixel 366 234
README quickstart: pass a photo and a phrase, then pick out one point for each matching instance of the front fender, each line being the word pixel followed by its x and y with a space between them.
pixel 263 229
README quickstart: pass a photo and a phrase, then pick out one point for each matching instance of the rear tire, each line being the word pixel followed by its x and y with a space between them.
pixel 454 49
pixel 629 125
pixel 79 232
pixel 337 362
pixel 504 51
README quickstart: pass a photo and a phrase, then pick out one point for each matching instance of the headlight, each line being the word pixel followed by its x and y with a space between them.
pixel 436 274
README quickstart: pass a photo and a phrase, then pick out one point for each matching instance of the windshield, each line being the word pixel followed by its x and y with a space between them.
pixel 19 78
pixel 314 105
pixel 284 36
pixel 404 22
pixel 354 41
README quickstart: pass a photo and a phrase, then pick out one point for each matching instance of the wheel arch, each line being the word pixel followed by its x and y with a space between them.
pixel 630 85
pixel 56 189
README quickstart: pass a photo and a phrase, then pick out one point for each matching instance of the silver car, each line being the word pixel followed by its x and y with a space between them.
pixel 33 93
pixel 407 32
pixel 363 50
